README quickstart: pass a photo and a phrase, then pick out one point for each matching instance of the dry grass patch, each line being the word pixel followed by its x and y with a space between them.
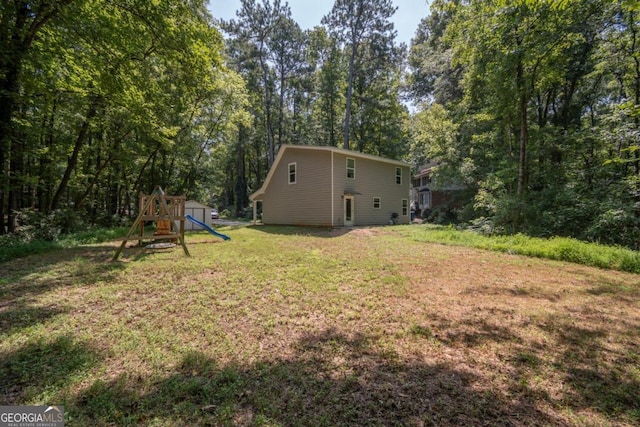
pixel 293 326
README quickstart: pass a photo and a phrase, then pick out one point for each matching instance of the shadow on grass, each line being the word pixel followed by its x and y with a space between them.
pixel 19 315
pixel 41 367
pixel 620 291
pixel 23 280
pixel 595 361
pixel 332 380
pixel 599 375
pixel 291 230
pixel 28 276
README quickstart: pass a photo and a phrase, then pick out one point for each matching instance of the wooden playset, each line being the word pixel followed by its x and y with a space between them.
pixel 168 212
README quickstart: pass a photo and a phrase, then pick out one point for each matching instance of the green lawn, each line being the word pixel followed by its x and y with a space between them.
pixel 287 326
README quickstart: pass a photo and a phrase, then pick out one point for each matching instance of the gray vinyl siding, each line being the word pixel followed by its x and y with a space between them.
pixel 308 201
pixel 372 179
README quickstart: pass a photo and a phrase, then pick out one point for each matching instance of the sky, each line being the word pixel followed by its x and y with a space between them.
pixel 308 13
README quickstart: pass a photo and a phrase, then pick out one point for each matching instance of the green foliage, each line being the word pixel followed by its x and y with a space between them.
pixel 120 96
pixel 328 79
pixel 616 227
pixel 541 125
pixel 30 243
pixel 12 246
pixel 366 33
pixel 554 248
pixel 531 106
pixel 35 225
pixel 434 137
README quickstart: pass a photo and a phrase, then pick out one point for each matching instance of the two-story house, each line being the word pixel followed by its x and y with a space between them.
pixel 329 186
pixel 426 196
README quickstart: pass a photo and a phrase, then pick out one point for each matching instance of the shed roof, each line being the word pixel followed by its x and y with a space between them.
pixel 195 204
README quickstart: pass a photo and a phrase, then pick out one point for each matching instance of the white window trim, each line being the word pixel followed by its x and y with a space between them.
pixel 295 173
pixel 400 175
pixel 405 207
pixel 354 168
pixel 379 203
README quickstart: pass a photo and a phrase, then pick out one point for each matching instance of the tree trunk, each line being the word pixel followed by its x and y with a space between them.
pixel 267 109
pixel 16 163
pixel 347 113
pixel 281 107
pixel 240 187
pixel 14 45
pixel 9 89
pixel 99 168
pixel 73 160
pixel 524 137
pixel 636 89
pixel 522 161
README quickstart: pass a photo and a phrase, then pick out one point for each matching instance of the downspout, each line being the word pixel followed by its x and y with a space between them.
pixel 332 190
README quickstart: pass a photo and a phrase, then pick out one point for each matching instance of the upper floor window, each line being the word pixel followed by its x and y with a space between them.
pixel 292 173
pixel 398 175
pixel 351 167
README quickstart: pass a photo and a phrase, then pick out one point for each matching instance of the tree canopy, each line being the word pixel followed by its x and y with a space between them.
pixel 532 106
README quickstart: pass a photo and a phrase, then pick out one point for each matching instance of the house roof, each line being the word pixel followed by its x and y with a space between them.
pixel 426 169
pixel 283 148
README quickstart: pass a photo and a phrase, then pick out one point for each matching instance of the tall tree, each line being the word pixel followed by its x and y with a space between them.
pixel 288 51
pixel 511 51
pixel 115 97
pixel 433 76
pixel 326 57
pixel 21 23
pixel 378 112
pixel 545 122
pixel 359 24
pixel 256 25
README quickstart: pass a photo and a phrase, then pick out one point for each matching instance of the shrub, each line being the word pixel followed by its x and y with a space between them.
pixel 106 219
pixel 440 215
pixel 66 220
pixel 484 226
pixel 616 227
pixel 35 225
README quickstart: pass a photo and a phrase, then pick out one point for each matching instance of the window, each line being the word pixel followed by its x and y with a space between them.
pixel 292 173
pixel 351 168
pixel 398 175
pixel 376 203
pixel 405 207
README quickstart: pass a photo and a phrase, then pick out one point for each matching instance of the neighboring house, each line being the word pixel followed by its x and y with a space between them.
pixel 427 196
pixel 328 186
pixel 199 211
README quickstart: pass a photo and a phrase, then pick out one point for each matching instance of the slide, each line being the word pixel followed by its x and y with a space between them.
pixel 206 227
